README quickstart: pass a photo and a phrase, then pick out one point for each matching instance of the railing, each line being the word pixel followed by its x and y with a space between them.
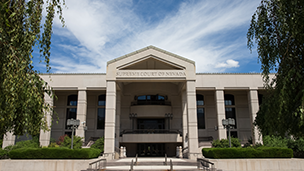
pixel 205 164
pixel 150 102
pixel 99 164
pixel 151 131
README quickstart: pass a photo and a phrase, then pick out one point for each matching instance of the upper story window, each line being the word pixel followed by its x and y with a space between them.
pixel 229 100
pixel 72 100
pixel 260 97
pixel 102 100
pixel 199 100
pixel 151 100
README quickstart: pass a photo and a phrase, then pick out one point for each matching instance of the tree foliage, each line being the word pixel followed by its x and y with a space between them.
pixel 22 91
pixel 277 28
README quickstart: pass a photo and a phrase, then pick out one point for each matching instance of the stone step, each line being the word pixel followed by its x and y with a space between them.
pixel 145 163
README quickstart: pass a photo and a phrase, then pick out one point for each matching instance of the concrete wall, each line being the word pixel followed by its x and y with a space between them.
pixel 45 165
pixel 259 164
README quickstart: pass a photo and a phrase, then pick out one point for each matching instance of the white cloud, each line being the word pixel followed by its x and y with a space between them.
pixel 230 63
pixel 199 30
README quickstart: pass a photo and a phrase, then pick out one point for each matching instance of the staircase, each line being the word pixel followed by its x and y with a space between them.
pixel 150 164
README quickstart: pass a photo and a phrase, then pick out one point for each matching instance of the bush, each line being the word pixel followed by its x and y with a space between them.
pixel 261 152
pixel 54 153
pixel 3 154
pixel 98 144
pixel 224 143
pixel 77 142
pixel 274 141
pixel 297 146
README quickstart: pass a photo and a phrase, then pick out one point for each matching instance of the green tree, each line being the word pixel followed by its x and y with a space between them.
pixel 22 91
pixel 277 28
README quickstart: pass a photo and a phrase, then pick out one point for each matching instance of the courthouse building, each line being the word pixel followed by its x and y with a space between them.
pixel 152 101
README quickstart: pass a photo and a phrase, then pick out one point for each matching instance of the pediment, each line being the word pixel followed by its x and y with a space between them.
pixel 150 63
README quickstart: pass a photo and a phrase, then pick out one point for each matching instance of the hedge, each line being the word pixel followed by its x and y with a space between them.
pixel 3 154
pixel 54 153
pixel 262 152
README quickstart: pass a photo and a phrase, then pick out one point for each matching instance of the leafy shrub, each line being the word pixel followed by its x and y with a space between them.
pixel 77 142
pixel 53 144
pixel 275 141
pixel 224 143
pixel 261 152
pixel 3 154
pixel 297 146
pixel 54 153
pixel 61 139
pixel 98 144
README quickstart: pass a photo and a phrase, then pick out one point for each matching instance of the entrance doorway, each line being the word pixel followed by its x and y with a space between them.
pixel 151 149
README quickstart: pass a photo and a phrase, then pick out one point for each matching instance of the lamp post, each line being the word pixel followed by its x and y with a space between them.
pixel 228 124
pixel 73 124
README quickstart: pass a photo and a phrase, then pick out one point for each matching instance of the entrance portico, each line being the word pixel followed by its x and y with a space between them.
pixel 152 83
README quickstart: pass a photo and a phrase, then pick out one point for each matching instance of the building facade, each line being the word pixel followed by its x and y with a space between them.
pixel 152 101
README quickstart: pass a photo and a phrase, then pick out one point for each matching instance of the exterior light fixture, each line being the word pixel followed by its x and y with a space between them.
pixel 73 124
pixel 228 124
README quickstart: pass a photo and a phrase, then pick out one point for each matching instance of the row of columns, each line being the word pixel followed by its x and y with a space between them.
pixel 112 119
pixel 253 109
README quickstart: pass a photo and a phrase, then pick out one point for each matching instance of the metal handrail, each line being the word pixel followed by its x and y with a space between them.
pixel 98 165
pixel 205 163
pixel 151 131
pixel 151 102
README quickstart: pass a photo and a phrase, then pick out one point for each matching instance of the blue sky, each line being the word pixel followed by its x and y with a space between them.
pixel 211 33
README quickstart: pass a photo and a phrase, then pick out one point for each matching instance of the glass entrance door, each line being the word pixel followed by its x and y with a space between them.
pixel 151 149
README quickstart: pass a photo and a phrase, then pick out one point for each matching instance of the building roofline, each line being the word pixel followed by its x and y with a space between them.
pixel 196 73
pixel 147 48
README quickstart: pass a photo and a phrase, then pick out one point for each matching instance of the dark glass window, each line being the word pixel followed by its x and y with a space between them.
pixel 233 134
pixel 230 113
pixel 199 100
pixel 71 113
pixel 260 97
pixel 201 118
pixel 101 118
pixel 151 100
pixel 150 124
pixel 229 100
pixel 72 100
pixel 102 100
pixel 142 98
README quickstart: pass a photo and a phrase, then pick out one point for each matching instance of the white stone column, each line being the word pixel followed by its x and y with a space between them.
pixel 45 136
pixel 117 124
pixel 185 119
pixel 220 109
pixel 253 109
pixel 81 112
pixel 8 139
pixel 109 139
pixel 192 121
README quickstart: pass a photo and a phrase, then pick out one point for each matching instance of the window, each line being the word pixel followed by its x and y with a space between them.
pixel 229 100
pixel 260 97
pixel 199 100
pixel 72 100
pixel 71 113
pixel 101 118
pixel 102 100
pixel 201 118
pixel 230 113
pixel 150 100
pixel 101 111
pixel 233 134
pixel 230 108
pixel 71 108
